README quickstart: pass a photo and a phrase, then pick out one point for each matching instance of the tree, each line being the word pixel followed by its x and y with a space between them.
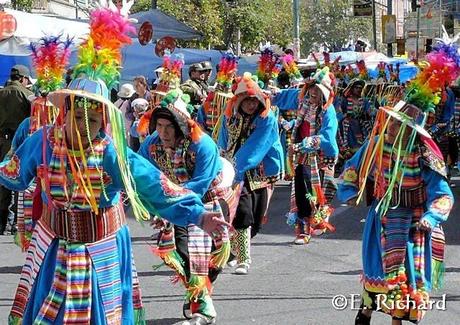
pixel 332 25
pixel 203 15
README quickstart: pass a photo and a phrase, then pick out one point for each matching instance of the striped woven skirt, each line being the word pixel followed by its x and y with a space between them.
pixel 397 262
pixel 78 283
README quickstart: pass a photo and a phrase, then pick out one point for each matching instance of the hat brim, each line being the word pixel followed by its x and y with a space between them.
pixel 58 97
pixel 353 83
pixel 124 96
pixel 410 123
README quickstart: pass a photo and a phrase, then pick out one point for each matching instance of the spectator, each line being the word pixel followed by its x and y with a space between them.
pixel 14 108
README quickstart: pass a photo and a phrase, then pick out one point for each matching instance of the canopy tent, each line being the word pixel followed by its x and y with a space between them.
pixel 137 60
pixel 31 27
pixel 142 60
pixel 165 25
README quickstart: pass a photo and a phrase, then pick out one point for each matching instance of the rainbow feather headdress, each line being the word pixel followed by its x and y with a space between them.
pixel 269 65
pixel 50 56
pixel 291 68
pixel 171 74
pixel 442 68
pixel 228 66
pixel 363 72
pixel 97 71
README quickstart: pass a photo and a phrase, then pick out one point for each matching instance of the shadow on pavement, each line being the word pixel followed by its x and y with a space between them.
pixel 10 269
pixel 164 321
pixel 348 221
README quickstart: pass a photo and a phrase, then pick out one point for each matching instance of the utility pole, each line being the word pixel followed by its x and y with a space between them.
pixel 154 4
pixel 390 12
pixel 374 25
pixel 295 8
pixel 440 18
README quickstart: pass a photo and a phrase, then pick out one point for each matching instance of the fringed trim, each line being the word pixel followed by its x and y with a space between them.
pixel 195 130
pixel 319 194
pixel 197 285
pixel 173 260
pixel 143 128
pixel 139 316
pixel 267 107
pixel 220 256
pixel 23 240
pixel 14 320
pixel 438 269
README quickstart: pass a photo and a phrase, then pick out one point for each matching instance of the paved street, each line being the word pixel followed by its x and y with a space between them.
pixel 287 284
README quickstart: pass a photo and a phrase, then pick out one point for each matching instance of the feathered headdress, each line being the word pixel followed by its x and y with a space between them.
pixel 443 67
pixel 228 66
pixel 50 56
pixel 291 67
pixel 318 64
pixel 172 67
pixel 394 73
pixel 363 73
pixel 99 56
pixel 382 71
pixel 269 65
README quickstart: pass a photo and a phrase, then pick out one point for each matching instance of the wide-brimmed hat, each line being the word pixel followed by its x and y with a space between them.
pixel 82 87
pixel 126 91
pixel 409 113
pixel 140 104
pixel 354 82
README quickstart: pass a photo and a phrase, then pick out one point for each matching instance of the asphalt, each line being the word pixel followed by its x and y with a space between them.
pixel 287 284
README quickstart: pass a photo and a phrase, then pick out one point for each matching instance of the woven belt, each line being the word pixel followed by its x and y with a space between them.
pixel 409 198
pixel 84 226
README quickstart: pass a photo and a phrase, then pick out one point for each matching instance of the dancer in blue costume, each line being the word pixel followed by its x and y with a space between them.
pixel 402 167
pixel 79 266
pixel 190 158
pixel 314 155
pixel 249 138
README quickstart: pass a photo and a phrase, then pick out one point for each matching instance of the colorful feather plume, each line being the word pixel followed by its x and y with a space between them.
pixel 100 55
pixel 443 68
pixel 172 67
pixel 318 64
pixel 382 71
pixel 291 67
pixel 363 73
pixel 228 66
pixel 327 59
pixel 269 65
pixel 50 56
pixel 394 73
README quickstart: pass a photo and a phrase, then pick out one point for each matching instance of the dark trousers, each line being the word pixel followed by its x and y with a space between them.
pixel 302 187
pixel 181 238
pixel 5 194
pixel 251 209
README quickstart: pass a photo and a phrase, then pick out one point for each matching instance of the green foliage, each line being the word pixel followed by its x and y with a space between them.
pixel 322 22
pixel 22 5
pixel 331 24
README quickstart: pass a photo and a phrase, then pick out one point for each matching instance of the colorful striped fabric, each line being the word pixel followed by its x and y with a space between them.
pixel 41 240
pixel 63 188
pixel 105 259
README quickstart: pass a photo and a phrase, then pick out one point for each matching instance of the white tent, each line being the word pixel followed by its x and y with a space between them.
pixel 31 28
